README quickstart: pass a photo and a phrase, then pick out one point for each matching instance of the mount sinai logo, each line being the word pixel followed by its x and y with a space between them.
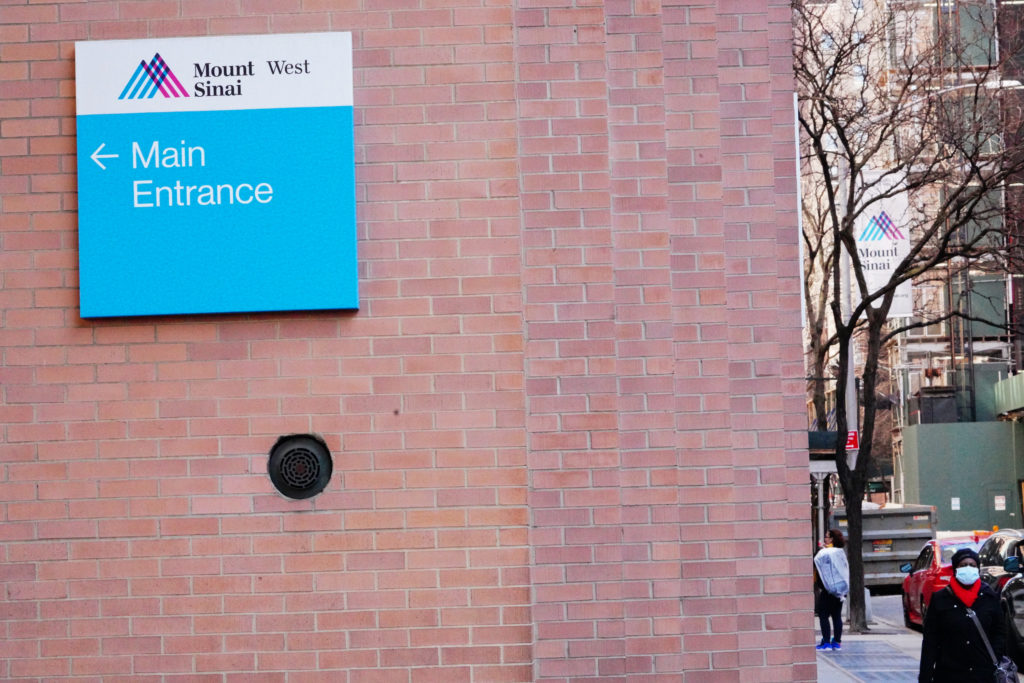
pixel 880 227
pixel 208 80
pixel 151 78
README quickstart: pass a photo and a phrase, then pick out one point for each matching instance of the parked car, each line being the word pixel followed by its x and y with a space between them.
pixel 930 572
pixel 1012 599
pixel 993 553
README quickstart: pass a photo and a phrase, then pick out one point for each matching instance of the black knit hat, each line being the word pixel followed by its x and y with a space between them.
pixel 961 554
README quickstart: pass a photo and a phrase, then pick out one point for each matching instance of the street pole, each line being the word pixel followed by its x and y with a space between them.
pixel 852 407
pixel 846 310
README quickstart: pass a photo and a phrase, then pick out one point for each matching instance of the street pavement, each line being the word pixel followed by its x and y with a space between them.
pixel 888 653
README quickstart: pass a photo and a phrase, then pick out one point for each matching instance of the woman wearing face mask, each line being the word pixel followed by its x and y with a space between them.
pixel 952 650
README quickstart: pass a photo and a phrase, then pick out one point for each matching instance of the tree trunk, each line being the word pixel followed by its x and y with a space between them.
pixel 818 400
pixel 854 552
pixel 852 481
pixel 857 477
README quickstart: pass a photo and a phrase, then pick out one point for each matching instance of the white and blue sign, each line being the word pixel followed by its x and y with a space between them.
pixel 216 175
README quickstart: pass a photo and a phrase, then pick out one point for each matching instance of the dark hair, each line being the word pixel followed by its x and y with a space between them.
pixel 838 540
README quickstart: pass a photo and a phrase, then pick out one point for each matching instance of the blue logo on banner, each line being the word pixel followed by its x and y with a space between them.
pixel 880 227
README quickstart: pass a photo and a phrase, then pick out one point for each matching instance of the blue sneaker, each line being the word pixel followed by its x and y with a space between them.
pixel 823 646
pixel 836 646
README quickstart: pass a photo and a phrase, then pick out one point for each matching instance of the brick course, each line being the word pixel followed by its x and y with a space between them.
pixel 567 420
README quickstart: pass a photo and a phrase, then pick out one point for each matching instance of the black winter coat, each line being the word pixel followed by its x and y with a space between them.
pixel 952 651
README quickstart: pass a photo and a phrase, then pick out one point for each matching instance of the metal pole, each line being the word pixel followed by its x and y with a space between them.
pixel 819 482
pixel 846 284
pixel 970 347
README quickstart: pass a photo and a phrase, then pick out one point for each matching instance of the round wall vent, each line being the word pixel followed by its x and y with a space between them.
pixel 300 465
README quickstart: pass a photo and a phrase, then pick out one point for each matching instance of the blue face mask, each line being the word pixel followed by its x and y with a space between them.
pixel 967 575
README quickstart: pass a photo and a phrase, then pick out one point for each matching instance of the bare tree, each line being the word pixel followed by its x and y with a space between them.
pixel 898 100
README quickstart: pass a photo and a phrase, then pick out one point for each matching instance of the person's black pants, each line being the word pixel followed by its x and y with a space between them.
pixel 830 607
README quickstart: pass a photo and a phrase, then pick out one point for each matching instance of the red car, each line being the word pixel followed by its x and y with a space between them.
pixel 930 572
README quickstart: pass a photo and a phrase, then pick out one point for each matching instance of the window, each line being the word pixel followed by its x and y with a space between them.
pixel 985 229
pixel 969 121
pixel 949 550
pixel 910 30
pixel 994 551
pixel 990 551
pixel 965 29
pixel 924 560
pixel 987 305
pixel 929 305
pixel 1005 549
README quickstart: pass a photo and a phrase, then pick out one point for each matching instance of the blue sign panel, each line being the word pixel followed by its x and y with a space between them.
pixel 216 176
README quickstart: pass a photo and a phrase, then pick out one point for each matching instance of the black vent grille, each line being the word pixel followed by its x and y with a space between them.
pixel 300 465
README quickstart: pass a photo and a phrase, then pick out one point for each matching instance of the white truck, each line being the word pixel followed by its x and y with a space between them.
pixel 891 536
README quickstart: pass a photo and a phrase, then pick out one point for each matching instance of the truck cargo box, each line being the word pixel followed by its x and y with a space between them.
pixel 891 536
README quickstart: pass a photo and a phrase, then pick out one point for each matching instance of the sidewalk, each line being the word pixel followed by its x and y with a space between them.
pixel 888 654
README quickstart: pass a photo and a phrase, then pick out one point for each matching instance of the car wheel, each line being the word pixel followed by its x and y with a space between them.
pixel 906 613
pixel 924 611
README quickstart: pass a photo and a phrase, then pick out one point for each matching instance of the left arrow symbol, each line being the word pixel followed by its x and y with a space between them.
pixel 96 156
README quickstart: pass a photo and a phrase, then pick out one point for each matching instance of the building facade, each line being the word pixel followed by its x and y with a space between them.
pixel 567 421
pixel 948 412
pixel 920 88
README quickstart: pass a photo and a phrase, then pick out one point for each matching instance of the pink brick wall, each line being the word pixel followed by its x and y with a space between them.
pixel 566 421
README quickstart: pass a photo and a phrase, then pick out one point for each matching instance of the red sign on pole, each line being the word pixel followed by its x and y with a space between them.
pixel 852 440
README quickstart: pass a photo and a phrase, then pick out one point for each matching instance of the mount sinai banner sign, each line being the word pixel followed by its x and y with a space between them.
pixel 883 241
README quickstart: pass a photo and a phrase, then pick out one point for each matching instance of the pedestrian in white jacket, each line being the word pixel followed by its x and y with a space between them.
pixel 832 573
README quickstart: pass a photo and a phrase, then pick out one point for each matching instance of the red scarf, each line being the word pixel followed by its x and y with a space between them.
pixel 966 595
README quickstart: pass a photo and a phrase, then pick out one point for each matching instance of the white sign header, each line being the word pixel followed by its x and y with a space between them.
pixel 204 74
